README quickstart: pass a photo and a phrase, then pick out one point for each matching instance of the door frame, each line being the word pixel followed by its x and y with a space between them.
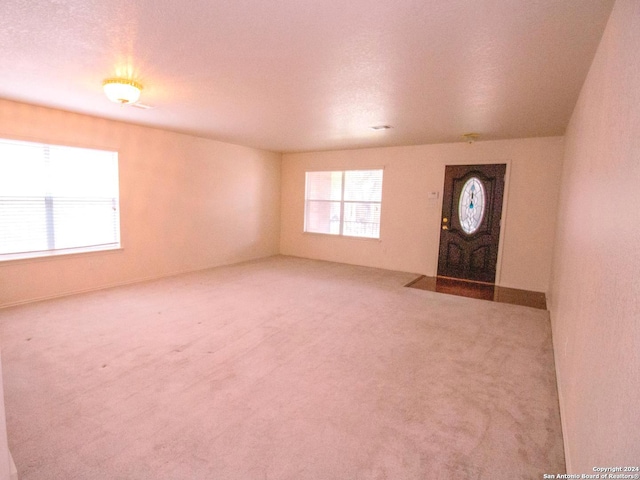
pixel 505 207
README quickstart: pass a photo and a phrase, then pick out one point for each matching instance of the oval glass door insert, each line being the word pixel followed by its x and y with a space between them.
pixel 471 205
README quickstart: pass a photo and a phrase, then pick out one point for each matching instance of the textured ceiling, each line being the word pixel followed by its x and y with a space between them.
pixel 299 75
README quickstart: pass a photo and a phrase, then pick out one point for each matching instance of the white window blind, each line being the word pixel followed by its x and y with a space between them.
pixel 344 202
pixel 57 199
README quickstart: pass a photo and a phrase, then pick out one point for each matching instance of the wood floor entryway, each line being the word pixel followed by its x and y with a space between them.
pixel 482 291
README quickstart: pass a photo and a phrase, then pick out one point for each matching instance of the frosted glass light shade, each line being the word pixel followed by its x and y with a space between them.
pixel 121 90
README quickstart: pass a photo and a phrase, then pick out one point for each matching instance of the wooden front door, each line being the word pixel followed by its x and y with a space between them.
pixel 470 223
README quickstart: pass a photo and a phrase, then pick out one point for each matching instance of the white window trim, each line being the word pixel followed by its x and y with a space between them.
pixel 44 254
pixel 342 202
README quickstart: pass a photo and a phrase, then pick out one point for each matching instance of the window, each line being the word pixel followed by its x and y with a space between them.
pixel 343 203
pixel 56 199
pixel 471 205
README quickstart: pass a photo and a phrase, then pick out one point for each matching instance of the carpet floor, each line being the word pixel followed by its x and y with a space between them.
pixel 282 368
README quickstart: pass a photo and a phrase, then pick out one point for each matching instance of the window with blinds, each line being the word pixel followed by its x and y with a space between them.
pixel 56 199
pixel 343 203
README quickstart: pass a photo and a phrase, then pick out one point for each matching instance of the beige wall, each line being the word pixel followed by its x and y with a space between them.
pixel 595 308
pixel 187 203
pixel 410 225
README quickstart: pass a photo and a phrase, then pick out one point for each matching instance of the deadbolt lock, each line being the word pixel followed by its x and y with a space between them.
pixel 445 220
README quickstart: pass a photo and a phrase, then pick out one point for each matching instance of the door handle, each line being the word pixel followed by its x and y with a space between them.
pixel 444 227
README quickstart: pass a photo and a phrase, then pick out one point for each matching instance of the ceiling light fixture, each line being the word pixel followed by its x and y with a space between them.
pixel 470 137
pixel 122 90
pixel 381 127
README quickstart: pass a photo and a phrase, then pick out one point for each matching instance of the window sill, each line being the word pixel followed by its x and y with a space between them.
pixel 39 256
pixel 346 237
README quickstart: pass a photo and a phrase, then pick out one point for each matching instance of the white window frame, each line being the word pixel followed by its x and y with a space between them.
pixel 342 202
pixel 48 200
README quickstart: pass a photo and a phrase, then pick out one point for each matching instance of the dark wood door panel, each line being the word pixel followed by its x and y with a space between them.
pixel 469 238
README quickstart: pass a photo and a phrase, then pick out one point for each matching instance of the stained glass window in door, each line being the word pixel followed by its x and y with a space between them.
pixel 471 205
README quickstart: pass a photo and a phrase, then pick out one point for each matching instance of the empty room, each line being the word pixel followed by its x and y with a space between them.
pixel 319 240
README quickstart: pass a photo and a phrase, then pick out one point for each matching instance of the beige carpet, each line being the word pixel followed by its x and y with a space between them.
pixel 282 368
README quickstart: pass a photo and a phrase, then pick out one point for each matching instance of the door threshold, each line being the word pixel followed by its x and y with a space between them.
pixel 480 290
pixel 464 280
